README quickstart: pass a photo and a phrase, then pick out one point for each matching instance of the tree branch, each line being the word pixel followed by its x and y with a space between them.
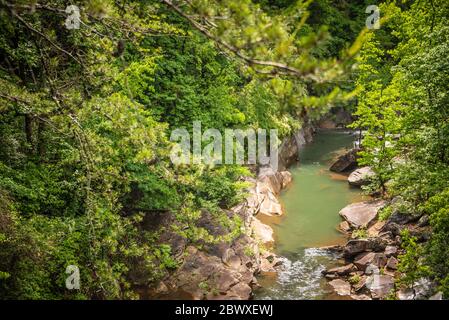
pixel 284 67
pixel 28 26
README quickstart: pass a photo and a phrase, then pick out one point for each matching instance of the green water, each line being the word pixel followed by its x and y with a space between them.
pixel 311 205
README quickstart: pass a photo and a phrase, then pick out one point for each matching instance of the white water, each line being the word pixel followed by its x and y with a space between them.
pixel 299 277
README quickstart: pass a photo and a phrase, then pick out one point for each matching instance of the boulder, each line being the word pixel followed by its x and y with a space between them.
pixel 380 285
pixel 240 291
pixel 345 162
pixel 288 150
pixel 374 230
pixel 262 232
pixel 270 205
pixel 386 235
pixel 361 176
pixel 267 266
pixel 424 288
pixel 364 260
pixel 361 214
pixel 354 247
pixel 234 262
pixel 341 287
pixel 335 249
pixel 392 227
pixel 392 263
pixel 271 178
pixel 378 244
pixel 371 258
pixel 341 271
pixel 344 227
pixel 252 203
pixel 225 281
pixel 391 251
pixel 403 218
pixel 286 178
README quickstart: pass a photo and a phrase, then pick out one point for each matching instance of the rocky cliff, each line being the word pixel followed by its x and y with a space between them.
pixel 228 270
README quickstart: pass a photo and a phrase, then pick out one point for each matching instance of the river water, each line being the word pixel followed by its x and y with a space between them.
pixel 311 205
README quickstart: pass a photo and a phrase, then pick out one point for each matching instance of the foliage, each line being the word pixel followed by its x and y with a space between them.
pixel 85 116
pixel 402 105
pixel 361 233
pixel 410 263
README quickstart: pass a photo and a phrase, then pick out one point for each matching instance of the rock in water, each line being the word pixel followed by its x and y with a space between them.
pixel 263 232
pixel 360 214
pixel 344 227
pixel 270 205
pixel 341 271
pixel 345 162
pixel 355 246
pixel 361 176
pixel 286 178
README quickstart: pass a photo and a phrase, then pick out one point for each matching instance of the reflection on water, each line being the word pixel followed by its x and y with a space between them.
pixel 311 205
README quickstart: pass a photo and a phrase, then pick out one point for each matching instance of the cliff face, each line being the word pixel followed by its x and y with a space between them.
pixel 290 146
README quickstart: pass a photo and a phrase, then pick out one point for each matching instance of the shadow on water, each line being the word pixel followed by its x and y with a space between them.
pixel 311 205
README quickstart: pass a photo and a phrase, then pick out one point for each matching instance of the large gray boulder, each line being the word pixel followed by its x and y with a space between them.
pixel 361 214
pixel 356 246
pixel 287 178
pixel 346 162
pixel 270 205
pixel 391 251
pixel 380 286
pixel 361 176
pixel 341 271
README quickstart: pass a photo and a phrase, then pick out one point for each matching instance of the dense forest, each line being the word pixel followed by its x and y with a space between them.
pixel 89 97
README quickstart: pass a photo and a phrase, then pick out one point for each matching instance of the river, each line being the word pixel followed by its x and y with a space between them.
pixel 311 205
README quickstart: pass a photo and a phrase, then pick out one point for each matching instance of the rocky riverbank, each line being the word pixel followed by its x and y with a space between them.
pixel 371 256
pixel 228 270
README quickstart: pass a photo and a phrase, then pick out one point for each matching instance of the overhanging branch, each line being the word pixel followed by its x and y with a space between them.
pixel 277 65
